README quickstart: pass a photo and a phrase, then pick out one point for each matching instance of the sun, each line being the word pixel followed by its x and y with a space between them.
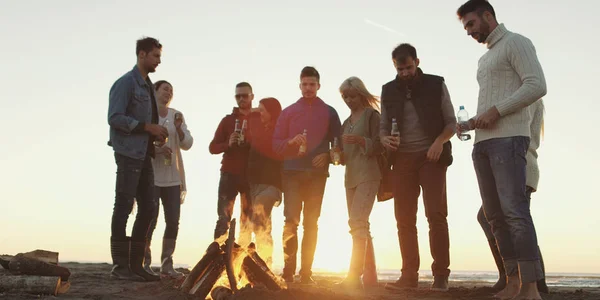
pixel 334 247
pixel 333 255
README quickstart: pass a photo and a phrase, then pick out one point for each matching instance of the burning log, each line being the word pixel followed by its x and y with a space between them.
pixel 229 256
pixel 219 260
pixel 257 270
pixel 221 293
pixel 207 281
pixel 199 269
pixel 22 264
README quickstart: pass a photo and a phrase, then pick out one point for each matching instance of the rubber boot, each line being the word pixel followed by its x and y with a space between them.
pixel 166 267
pixel 136 261
pixel 119 250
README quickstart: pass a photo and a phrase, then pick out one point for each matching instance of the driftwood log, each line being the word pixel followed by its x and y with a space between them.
pixel 5 260
pixel 24 265
pixel 43 255
pixel 38 285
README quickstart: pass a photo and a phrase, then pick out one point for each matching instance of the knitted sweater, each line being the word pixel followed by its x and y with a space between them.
pixel 174 174
pixel 533 172
pixel 510 78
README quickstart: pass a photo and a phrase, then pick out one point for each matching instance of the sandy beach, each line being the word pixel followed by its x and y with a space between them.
pixel 91 281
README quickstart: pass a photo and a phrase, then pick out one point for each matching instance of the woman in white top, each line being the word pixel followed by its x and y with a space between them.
pixel 169 177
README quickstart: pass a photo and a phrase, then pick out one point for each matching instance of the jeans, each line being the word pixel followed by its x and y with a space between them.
pixel 230 185
pixel 171 202
pixel 500 167
pixel 487 229
pixel 301 188
pixel 264 197
pixel 360 200
pixel 135 179
pixel 413 172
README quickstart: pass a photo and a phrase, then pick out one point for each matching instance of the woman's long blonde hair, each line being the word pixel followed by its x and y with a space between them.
pixel 355 84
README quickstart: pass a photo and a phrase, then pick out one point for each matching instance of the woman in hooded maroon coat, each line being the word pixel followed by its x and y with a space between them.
pixel 264 174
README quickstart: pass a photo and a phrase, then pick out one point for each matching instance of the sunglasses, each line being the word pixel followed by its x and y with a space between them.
pixel 240 96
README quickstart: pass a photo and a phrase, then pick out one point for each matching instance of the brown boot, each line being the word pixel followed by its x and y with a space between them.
pixel 357 263
pixel 406 281
pixel 369 277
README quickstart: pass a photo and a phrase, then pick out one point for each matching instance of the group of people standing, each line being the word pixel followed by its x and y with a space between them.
pixel 398 144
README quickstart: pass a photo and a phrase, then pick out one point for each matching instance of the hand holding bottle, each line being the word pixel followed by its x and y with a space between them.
pixel 178 120
pixel 298 140
pixel 353 139
pixel 464 124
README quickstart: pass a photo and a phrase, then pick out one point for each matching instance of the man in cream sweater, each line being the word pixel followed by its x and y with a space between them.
pixel 510 79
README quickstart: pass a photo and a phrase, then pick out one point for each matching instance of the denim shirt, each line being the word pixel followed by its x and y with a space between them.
pixel 129 108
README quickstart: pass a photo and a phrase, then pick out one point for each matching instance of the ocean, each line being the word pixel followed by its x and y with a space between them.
pixel 552 279
pixel 578 280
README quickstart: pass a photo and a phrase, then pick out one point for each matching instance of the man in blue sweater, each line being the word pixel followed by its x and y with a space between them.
pixel 302 136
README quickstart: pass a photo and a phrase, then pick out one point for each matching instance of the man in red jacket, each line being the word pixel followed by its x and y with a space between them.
pixel 233 166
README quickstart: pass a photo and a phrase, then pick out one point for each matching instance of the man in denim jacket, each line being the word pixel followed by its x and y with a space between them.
pixel 133 118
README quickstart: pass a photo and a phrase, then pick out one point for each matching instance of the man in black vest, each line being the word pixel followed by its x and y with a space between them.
pixel 421 106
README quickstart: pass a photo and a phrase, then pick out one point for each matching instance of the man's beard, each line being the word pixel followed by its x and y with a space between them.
pixel 244 105
pixel 485 32
pixel 408 79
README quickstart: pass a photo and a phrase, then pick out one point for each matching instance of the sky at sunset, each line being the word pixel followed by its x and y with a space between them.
pixel 60 58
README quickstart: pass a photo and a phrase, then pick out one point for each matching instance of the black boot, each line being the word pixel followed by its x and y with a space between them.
pixel 136 261
pixel 500 265
pixel 166 267
pixel 119 250
pixel 148 259
pixel 357 263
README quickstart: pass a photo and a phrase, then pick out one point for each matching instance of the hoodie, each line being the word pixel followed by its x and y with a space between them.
pixel 235 158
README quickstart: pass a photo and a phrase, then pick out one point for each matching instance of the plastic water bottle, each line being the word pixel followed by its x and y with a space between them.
pixel 463 124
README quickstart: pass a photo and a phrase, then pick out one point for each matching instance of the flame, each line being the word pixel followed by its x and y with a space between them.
pixel 237 270
pixel 220 240
pixel 260 225
pixel 262 230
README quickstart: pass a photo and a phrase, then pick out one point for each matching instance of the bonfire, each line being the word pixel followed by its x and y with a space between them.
pixel 227 267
